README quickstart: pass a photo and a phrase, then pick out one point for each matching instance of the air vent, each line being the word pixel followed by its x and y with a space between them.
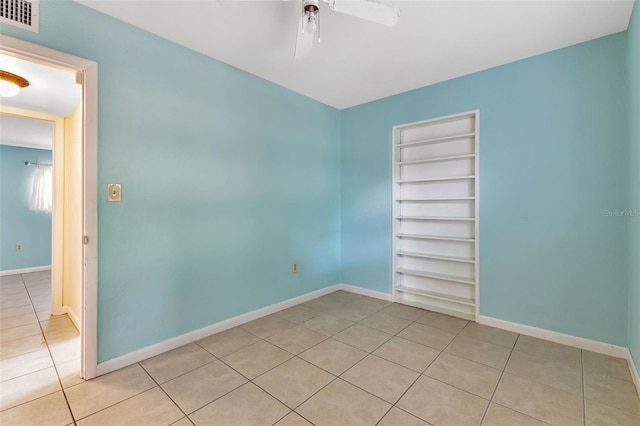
pixel 20 13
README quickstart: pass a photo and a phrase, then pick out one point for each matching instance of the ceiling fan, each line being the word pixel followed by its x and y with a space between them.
pixel 309 27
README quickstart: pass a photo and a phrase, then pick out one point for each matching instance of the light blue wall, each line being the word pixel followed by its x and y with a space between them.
pixel 633 75
pixel 19 225
pixel 552 159
pixel 225 183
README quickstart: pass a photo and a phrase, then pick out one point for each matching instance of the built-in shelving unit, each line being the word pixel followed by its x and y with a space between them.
pixel 435 212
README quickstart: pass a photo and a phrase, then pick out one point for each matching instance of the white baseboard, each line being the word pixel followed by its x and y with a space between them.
pixel 634 371
pixel 554 336
pixel 25 270
pixel 183 339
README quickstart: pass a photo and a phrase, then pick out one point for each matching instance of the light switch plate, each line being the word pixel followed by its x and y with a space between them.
pixel 114 192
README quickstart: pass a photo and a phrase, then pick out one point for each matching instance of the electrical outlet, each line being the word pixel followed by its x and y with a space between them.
pixel 294 267
pixel 18 247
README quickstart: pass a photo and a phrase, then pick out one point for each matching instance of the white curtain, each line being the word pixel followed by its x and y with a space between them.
pixel 42 193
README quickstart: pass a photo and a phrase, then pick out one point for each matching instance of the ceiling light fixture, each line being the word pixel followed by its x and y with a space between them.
pixel 10 84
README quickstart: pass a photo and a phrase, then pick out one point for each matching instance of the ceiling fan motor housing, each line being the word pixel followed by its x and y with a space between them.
pixel 310 6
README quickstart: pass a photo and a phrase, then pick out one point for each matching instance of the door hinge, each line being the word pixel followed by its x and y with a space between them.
pixel 85 240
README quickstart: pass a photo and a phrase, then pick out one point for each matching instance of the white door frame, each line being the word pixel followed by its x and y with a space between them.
pixel 87 72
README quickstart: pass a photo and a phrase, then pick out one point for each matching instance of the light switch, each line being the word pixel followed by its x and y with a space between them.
pixel 114 192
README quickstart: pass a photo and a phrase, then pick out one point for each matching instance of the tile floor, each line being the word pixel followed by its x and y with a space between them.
pixel 341 359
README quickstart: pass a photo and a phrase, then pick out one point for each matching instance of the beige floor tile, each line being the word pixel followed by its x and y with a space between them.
pixel 57 323
pixel 545 371
pixel 323 303
pixel 14 303
pixel 69 373
pixel 404 311
pixel 247 405
pixel 490 334
pixel 428 336
pixel 441 404
pixel 409 354
pixel 267 326
pixel 554 351
pixel 478 351
pixel 397 417
pixel 607 365
pixel 352 311
pixel 256 359
pixel 152 407
pixel 24 364
pixel 497 415
pixel 293 419
pixel 297 339
pixel 183 422
pixel 203 385
pixel 67 351
pixel 328 325
pixel 16 311
pixel 97 394
pixel 50 410
pixel 362 337
pixel 19 332
pixel 25 345
pixel 28 387
pixel 467 375
pixel 6 323
pixel 604 415
pixel 228 341
pixel 61 335
pixel 342 296
pixel 380 377
pixel 333 356
pixel 13 294
pixel 611 391
pixel 387 323
pixel 370 302
pixel 341 403
pixel 443 322
pixel 540 401
pixel 172 364
pixel 297 314
pixel 294 381
pixel 44 315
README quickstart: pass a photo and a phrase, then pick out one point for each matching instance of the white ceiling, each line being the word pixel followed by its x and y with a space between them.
pixel 25 132
pixel 51 90
pixel 358 61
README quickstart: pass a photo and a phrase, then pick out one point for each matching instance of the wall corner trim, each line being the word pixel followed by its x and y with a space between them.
pixel 25 270
pixel 634 371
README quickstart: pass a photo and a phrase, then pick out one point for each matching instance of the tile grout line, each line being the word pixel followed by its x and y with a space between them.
pixel 493 394
pixel 55 367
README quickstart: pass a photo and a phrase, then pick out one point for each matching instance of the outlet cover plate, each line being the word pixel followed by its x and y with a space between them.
pixel 114 192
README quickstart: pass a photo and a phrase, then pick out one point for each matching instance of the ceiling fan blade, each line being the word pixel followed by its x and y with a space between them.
pixel 368 10
pixel 304 42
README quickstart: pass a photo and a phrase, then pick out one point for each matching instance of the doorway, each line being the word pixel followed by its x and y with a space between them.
pixel 85 256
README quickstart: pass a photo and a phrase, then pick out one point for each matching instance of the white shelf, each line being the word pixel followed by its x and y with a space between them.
pixel 433 308
pixel 438 296
pixel 436 140
pixel 468 219
pixel 436 199
pixel 426 274
pixel 436 179
pixel 436 159
pixel 436 237
pixel 435 257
